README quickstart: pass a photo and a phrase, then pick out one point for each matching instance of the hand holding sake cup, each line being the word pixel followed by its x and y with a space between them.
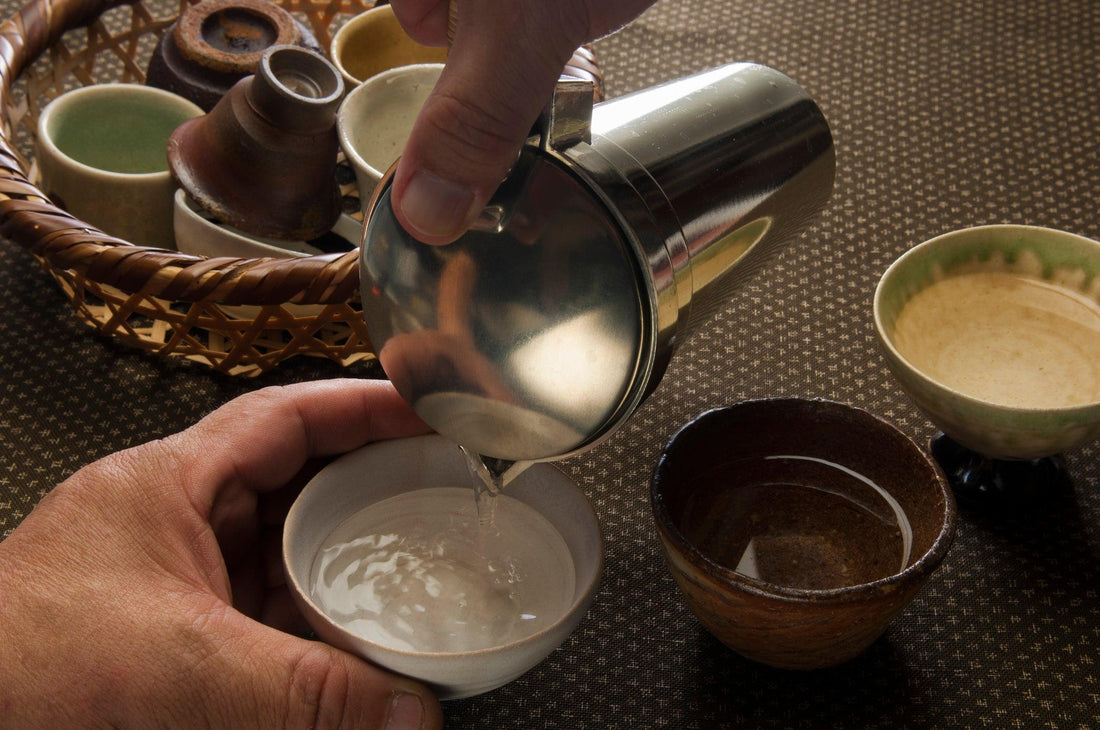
pixel 994 332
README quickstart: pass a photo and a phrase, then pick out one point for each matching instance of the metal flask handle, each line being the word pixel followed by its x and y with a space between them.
pixel 620 228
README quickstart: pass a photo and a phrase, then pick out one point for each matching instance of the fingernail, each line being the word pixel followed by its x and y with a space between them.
pixel 406 712
pixel 433 206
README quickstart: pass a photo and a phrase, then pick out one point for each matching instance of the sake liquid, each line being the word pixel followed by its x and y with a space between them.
pixel 490 475
pixel 798 522
pixel 423 571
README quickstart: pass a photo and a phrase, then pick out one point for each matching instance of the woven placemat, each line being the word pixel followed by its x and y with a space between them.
pixel 945 115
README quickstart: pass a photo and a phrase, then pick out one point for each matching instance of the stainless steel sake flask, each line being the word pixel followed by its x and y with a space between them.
pixel 619 230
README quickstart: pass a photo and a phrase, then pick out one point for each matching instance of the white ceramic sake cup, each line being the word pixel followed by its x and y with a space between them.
pixel 197 233
pixel 389 468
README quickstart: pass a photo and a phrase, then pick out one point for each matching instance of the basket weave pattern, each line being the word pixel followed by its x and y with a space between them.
pixel 239 316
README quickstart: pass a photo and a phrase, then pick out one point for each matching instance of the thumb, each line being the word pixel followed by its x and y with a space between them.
pixel 503 63
pixel 300 683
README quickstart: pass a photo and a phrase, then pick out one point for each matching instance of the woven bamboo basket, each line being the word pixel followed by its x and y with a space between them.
pixel 238 316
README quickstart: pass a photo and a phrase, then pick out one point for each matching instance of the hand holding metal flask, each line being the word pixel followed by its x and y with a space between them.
pixel 620 228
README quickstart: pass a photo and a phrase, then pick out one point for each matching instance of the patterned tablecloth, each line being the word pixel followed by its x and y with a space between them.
pixel 945 114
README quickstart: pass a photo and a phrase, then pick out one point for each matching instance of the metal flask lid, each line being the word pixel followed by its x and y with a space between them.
pixel 620 228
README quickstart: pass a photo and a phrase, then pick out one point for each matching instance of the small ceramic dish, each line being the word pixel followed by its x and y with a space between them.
pixel 196 233
pixel 375 616
pixel 798 529
pixel 994 332
pixel 374 41
pixel 376 118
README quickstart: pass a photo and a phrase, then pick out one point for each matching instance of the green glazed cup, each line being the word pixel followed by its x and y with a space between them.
pixel 1065 261
pixel 101 151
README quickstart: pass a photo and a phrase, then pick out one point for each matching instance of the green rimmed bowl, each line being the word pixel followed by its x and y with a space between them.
pixel 1054 265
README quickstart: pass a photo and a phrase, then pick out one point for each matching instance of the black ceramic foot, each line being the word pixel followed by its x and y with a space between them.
pixel 978 479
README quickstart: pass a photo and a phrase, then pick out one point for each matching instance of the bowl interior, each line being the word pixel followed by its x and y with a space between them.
pixel 392 468
pixel 120 129
pixel 793 495
pixel 373 42
pixel 1005 315
pixel 377 117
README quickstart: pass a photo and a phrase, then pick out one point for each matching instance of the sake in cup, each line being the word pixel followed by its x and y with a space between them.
pixel 797 529
pixel 388 558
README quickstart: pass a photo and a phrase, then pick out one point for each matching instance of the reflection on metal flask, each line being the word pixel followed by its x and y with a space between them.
pixel 619 230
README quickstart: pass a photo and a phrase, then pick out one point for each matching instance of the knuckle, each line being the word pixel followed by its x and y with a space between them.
pixel 472 130
pixel 318 692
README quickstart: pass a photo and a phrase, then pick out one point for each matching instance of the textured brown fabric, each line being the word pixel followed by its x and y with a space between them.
pixel 946 114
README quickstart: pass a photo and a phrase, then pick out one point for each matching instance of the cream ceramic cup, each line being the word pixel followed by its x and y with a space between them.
pixel 376 118
pixel 374 41
pixel 101 153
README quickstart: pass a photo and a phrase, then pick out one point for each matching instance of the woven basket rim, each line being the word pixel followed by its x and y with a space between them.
pixel 65 243
pixel 30 219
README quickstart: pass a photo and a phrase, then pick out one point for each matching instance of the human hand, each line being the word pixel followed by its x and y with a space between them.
pixel 504 61
pixel 147 589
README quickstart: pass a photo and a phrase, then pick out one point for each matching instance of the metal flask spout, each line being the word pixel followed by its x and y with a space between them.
pixel 620 229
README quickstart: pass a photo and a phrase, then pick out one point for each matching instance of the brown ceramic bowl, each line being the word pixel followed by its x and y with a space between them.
pixel 798 529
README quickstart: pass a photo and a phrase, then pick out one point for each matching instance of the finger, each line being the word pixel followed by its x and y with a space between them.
pixel 242 519
pixel 260 440
pixel 272 507
pixel 276 680
pixel 424 20
pixel 259 589
pixel 500 71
